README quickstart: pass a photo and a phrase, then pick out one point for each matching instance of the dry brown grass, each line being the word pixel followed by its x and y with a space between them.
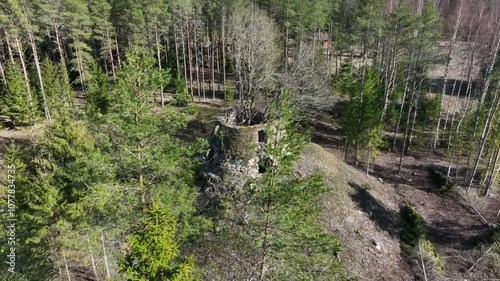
pixel 369 252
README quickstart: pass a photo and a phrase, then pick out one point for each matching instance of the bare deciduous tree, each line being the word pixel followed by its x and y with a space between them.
pixel 253 46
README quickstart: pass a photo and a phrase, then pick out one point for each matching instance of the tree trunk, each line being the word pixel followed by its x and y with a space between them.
pixel 219 82
pixel 92 262
pixel 491 115
pixel 494 172
pixel 468 92
pixel 176 52
pixel 286 47
pixel 106 265
pixel 39 74
pixel 422 261
pixel 212 62
pixel 66 267
pixel 487 78
pixel 59 43
pixel 490 156
pixel 197 67
pixel 265 236
pixel 448 106
pixel 108 41
pixel 390 78
pixel 412 130
pixel 118 52
pixel 446 70
pixel 455 104
pixel 368 161
pixel 203 71
pixel 190 60
pixel 405 138
pixel 223 33
pixel 9 48
pixel 402 102
pixel 27 82
pixel 158 55
pixel 2 74
pixel 184 55
pixel 79 62
pixel 459 125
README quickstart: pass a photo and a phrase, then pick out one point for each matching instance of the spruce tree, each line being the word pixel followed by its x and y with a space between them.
pixel 98 100
pixel 15 102
pixel 57 88
pixel 362 118
pixel 35 200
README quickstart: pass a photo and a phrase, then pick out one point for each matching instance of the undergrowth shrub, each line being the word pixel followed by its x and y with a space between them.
pixel 365 186
pixel 431 257
pixel 229 97
pixel 413 229
pixel 444 183
pixel 182 97
pixel 414 245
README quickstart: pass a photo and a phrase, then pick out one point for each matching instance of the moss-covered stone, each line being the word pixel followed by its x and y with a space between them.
pixel 239 142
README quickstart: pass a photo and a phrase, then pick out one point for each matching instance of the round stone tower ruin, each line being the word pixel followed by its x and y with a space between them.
pixel 235 151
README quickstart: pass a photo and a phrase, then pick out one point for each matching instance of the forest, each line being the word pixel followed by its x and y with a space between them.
pixel 250 140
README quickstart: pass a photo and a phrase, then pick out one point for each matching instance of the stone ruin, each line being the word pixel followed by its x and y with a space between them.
pixel 235 152
pixel 236 155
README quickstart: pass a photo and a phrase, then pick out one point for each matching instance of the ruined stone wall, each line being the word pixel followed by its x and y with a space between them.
pixel 236 151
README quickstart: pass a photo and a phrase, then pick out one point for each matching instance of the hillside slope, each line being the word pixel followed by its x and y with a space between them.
pixel 366 223
pixel 363 211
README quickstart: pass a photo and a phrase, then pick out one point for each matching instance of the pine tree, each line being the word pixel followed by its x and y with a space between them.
pixel 49 16
pixel 150 161
pixel 128 18
pixel 103 33
pixel 154 253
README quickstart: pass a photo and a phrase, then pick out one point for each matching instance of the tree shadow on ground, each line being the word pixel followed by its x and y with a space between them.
pixel 193 130
pixel 415 175
pixel 450 234
pixel 385 218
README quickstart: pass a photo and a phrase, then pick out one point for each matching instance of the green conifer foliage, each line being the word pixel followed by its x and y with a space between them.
pixel 35 201
pixel 154 253
pixel 414 243
pixel 182 97
pixel 149 160
pixel 15 102
pixel 362 118
pixel 77 24
pixel 58 91
pixel 98 99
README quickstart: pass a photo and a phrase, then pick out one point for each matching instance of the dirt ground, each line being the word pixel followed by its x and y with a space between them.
pixel 455 229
